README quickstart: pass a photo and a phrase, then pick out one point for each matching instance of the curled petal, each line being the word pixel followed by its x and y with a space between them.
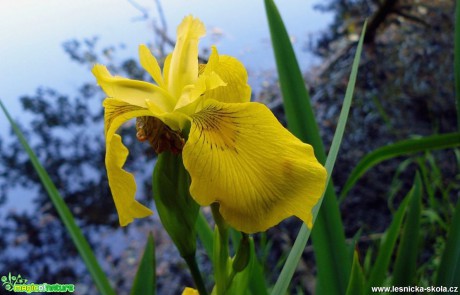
pixel 132 92
pixel 233 73
pixel 116 112
pixel 122 184
pixel 240 156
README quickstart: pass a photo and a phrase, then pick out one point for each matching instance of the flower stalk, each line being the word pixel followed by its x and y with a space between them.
pixel 196 274
pixel 221 253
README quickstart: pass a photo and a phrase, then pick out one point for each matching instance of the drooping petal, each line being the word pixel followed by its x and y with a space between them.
pixel 233 73
pixel 122 184
pixel 150 64
pixel 183 69
pixel 240 156
pixel 132 91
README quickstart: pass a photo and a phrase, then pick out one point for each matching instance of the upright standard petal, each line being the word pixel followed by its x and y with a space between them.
pixel 183 67
pixel 122 184
pixel 240 156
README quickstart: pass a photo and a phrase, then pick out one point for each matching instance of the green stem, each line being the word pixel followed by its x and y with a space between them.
pixel 221 254
pixel 193 266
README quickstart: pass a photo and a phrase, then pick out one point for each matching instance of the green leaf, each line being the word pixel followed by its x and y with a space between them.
pixel 257 284
pixel 66 216
pixel 328 237
pixel 401 148
pixel 177 210
pixel 449 268
pixel 356 282
pixel 242 279
pixel 406 259
pixel 220 259
pixel 144 282
pixel 380 268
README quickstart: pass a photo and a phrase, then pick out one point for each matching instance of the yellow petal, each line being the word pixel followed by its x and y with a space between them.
pixel 132 92
pixel 240 156
pixel 116 112
pixel 166 67
pixel 190 291
pixel 191 93
pixel 122 184
pixel 233 73
pixel 183 69
pixel 150 64
pixel 175 120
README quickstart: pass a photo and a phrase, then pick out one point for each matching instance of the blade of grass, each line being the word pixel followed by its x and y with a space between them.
pixel 145 280
pixel 449 268
pixel 74 231
pixel 356 283
pixel 404 147
pixel 380 268
pixel 257 284
pixel 457 61
pixel 406 258
pixel 330 250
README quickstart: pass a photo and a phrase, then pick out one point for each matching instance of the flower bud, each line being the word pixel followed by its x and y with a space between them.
pixel 177 209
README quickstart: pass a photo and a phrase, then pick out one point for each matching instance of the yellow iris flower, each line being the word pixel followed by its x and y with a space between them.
pixel 236 152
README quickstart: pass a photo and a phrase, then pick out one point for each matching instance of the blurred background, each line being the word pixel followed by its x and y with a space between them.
pixel 405 89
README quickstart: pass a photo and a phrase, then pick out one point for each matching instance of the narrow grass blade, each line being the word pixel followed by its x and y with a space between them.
pixel 406 259
pixel 78 239
pixel 257 285
pixel 329 240
pixel 457 61
pixel 356 283
pixel 333 266
pixel 379 270
pixel 449 268
pixel 205 234
pixel 401 148
pixel 145 280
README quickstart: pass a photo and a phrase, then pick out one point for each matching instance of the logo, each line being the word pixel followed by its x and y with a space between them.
pixel 18 284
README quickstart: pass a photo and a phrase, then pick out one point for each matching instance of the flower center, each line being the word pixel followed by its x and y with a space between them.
pixel 159 135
